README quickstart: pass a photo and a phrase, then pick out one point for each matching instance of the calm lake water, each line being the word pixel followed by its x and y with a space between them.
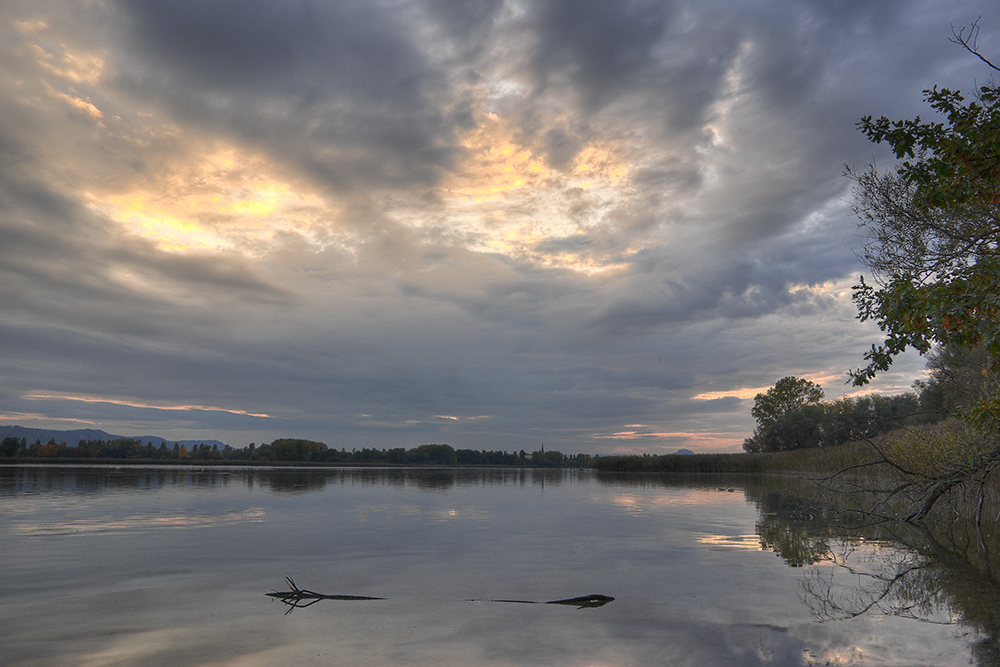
pixel 167 566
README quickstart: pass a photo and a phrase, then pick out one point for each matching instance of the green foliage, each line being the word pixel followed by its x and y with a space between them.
pixel 547 459
pixel 952 163
pixel 11 447
pixel 488 458
pixel 798 428
pixel 433 454
pixel 292 449
pixel 933 230
pixel 787 394
pixel 806 422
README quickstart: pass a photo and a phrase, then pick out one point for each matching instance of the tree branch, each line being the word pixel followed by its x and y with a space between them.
pixel 969 42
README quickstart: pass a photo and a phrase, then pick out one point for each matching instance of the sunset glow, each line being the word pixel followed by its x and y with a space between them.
pixel 224 202
pixel 508 199
pixel 42 396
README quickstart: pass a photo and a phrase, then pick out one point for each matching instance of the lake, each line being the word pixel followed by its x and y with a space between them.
pixel 116 566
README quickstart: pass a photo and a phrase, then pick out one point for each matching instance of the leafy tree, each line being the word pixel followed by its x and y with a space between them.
pixel 770 409
pixel 798 429
pixel 934 251
pixel 787 394
pixel 934 233
pixel 11 446
pixel 432 454
pixel 292 449
pixel 549 458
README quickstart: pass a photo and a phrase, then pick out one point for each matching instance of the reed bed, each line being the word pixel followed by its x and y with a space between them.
pixel 807 461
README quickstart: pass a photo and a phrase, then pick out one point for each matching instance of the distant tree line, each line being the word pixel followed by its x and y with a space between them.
pixel 283 450
pixel 118 448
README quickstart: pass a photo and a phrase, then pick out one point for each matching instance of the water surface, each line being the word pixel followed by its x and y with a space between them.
pixel 167 566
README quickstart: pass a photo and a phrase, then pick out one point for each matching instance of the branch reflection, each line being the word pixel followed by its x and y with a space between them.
pixel 943 571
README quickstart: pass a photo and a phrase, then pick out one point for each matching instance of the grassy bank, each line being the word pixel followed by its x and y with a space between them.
pixel 821 460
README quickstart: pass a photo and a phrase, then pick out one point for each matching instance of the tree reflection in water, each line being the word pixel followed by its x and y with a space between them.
pixel 941 571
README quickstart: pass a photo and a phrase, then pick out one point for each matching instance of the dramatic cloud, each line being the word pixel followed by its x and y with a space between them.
pixel 599 225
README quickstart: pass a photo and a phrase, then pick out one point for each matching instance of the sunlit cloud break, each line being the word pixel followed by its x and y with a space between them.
pixel 135 404
pixel 743 393
pixel 19 416
pixel 643 432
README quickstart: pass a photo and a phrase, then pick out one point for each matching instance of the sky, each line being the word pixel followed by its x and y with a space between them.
pixel 601 226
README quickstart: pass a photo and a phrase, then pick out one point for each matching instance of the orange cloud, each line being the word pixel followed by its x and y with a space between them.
pixel 221 199
pixel 507 199
pixel 705 440
pixel 12 416
pixel 741 393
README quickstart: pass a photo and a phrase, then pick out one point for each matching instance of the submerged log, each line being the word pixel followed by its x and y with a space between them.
pixel 585 601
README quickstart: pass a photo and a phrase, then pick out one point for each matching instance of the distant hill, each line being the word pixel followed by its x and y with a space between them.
pixel 73 438
pixel 684 451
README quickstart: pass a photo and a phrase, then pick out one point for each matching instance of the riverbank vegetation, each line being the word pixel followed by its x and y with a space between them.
pixel 805 461
pixel 280 451
pixel 792 415
pixel 933 250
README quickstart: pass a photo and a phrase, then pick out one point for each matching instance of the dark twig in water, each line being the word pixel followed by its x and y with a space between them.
pixel 299 598
pixel 583 602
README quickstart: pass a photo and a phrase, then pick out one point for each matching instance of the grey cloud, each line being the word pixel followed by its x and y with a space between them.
pixel 408 322
pixel 597 47
pixel 337 89
pixel 296 48
pixel 465 22
pixel 667 300
pixel 736 281
pixel 560 147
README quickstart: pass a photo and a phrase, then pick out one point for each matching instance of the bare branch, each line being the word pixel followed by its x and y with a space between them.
pixel 970 41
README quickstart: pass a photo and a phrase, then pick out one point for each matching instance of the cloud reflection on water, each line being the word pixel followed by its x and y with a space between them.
pixel 690 584
pixel 138 523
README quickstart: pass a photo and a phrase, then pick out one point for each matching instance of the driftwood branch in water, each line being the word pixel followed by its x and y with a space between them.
pixel 298 598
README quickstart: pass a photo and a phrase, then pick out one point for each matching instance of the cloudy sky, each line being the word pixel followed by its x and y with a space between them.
pixel 598 225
